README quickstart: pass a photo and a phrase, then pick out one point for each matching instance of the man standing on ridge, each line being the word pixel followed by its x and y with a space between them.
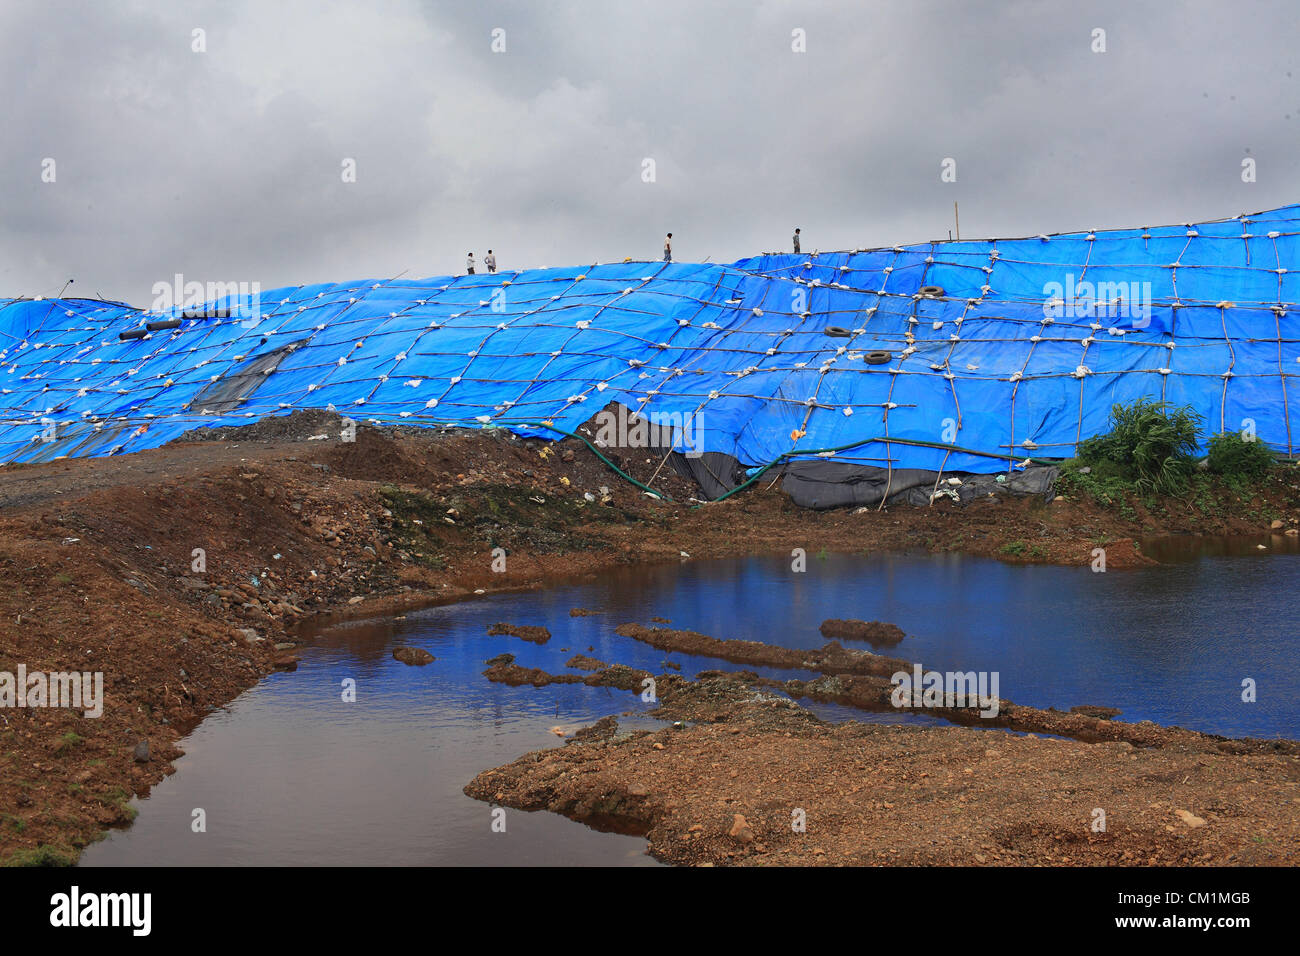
pixel 668 248
pixel 796 241
pixel 490 261
pixel 469 263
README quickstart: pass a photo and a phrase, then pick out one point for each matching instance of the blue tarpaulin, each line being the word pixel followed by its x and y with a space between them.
pixel 1012 348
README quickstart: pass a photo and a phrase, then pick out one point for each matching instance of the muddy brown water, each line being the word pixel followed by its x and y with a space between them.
pixel 290 773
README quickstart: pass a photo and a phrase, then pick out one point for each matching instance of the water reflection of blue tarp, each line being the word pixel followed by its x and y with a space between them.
pixel 1030 343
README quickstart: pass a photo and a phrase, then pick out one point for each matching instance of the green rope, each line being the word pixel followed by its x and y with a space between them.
pixel 595 451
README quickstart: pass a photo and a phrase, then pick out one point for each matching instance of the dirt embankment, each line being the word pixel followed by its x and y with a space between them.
pixel 748 778
pixel 183 574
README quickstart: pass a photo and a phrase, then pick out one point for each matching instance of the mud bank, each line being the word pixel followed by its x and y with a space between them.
pixel 860 679
pixel 186 573
pixel 755 779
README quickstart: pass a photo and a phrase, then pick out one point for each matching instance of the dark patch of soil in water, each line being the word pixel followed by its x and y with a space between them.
pixel 526 632
pixel 584 663
pixel 875 633
pixel 415 656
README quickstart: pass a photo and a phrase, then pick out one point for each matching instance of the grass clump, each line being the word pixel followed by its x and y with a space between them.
pixel 1150 445
pixel 1235 457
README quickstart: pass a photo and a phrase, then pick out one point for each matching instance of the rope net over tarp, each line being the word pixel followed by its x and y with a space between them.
pixel 945 356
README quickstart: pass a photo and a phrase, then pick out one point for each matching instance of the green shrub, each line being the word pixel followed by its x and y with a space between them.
pixel 1150 443
pixel 1233 456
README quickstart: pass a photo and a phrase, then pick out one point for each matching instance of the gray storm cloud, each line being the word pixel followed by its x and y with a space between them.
pixel 227 164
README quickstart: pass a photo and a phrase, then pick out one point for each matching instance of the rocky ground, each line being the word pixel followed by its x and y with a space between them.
pixel 758 780
pixel 748 776
pixel 186 573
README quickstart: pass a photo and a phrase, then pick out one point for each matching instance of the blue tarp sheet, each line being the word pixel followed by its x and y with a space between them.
pixel 1020 355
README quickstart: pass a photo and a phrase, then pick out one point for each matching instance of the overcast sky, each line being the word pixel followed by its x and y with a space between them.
pixel 228 164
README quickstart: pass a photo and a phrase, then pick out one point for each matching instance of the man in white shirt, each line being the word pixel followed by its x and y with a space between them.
pixel 469 263
pixel 490 261
pixel 796 242
pixel 668 248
